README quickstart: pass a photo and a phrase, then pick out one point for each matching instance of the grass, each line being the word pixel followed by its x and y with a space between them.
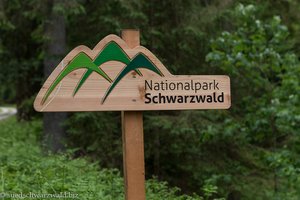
pixel 25 169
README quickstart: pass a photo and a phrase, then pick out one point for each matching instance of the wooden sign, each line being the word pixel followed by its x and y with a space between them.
pixel 119 74
pixel 114 76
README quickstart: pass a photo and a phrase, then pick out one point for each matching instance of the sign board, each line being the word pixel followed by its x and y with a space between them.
pixel 114 77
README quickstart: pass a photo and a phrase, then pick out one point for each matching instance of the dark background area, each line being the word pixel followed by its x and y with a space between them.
pixel 250 151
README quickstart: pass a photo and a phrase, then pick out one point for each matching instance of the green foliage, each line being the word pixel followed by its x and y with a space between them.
pixel 24 168
pixel 94 134
pixel 22 30
pixel 233 148
pixel 248 152
pixel 260 63
pixel 162 191
pixel 19 57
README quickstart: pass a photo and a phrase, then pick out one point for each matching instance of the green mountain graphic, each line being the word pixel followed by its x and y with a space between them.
pixel 139 61
pixel 111 52
pixel 80 61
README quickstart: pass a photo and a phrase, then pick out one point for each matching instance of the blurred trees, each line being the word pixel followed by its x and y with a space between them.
pixel 260 62
pixel 20 53
pixel 249 151
pixel 55 47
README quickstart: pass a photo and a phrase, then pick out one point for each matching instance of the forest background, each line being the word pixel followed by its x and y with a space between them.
pixel 250 151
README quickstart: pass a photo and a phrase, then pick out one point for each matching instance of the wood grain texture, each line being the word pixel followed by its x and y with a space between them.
pixel 133 141
pixel 133 155
pixel 128 94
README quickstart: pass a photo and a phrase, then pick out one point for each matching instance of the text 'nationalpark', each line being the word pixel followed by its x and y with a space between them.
pixel 188 86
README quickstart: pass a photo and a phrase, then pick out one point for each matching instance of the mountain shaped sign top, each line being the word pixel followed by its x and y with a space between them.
pixel 113 76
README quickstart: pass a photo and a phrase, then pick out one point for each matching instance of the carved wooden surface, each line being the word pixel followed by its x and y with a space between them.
pixel 129 92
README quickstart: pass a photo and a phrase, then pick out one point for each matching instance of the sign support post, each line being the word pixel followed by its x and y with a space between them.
pixel 119 74
pixel 133 140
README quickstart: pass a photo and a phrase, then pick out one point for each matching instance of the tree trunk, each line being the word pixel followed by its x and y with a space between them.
pixel 55 30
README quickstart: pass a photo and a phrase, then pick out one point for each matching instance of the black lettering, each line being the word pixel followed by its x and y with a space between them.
pixel 221 97
pixel 215 98
pixel 180 99
pixel 197 86
pixel 205 86
pixel 179 84
pixel 166 85
pixel 192 99
pixel 187 86
pixel 172 84
pixel 209 99
pixel 162 85
pixel 210 85
pixel 171 99
pixel 200 98
pixel 161 97
pixel 147 98
pixel 156 86
pixel 153 99
pixel 216 85
pixel 149 85
pixel 185 98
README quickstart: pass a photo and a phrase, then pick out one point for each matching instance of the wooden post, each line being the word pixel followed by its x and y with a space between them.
pixel 133 140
